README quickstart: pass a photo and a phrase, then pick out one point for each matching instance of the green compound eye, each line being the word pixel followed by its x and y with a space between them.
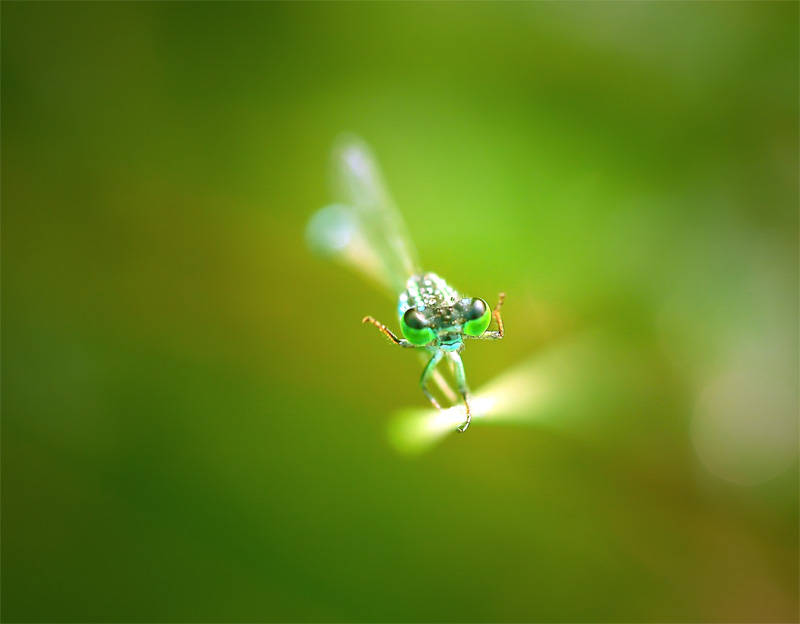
pixel 415 327
pixel 478 318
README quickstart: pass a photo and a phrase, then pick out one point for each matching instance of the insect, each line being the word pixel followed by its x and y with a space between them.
pixel 367 233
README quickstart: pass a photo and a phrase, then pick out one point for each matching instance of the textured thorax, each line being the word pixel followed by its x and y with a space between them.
pixel 427 291
pixel 441 306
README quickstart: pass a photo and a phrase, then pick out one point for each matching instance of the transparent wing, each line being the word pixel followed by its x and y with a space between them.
pixel 365 231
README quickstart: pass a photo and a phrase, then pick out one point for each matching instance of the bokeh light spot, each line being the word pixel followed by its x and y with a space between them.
pixel 745 427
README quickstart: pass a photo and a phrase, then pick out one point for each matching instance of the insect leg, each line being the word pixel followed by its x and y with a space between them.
pixel 423 381
pixel 388 333
pixel 461 379
pixel 496 313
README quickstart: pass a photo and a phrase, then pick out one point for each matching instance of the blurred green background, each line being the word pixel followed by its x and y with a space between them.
pixel 194 423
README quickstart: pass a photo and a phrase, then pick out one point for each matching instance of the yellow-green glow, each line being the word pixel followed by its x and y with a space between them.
pixel 512 397
pixel 561 387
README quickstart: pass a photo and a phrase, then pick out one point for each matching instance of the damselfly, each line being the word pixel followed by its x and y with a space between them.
pixel 367 233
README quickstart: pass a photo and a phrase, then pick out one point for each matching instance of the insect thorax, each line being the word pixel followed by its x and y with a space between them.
pixel 427 291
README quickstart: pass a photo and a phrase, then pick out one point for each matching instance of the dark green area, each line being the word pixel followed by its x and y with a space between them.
pixel 193 418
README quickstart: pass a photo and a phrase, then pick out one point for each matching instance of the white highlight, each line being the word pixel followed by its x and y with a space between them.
pixel 357 161
pixel 745 427
pixel 511 397
pixel 335 232
pixel 330 229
